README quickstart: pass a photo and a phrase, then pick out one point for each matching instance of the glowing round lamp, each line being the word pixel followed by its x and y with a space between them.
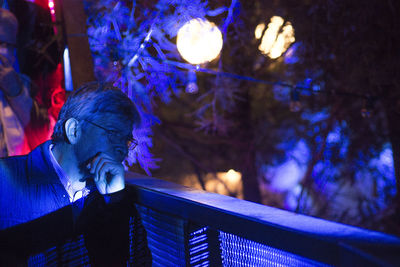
pixel 199 41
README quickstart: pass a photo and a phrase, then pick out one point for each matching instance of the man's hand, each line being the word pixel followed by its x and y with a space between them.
pixel 10 82
pixel 109 174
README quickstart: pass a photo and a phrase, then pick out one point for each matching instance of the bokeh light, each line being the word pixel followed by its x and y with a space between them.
pixel 276 39
pixel 259 30
pixel 199 41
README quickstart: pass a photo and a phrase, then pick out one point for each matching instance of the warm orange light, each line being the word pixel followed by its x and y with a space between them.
pixel 276 39
pixel 259 30
pixel 232 176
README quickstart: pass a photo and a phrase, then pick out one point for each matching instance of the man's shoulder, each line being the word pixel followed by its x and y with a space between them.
pixel 7 162
pixel 11 165
pixel 20 165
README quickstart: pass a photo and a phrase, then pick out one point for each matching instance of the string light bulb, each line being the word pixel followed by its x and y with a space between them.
pixel 191 86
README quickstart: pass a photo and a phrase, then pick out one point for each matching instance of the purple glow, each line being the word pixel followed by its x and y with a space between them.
pixel 290 55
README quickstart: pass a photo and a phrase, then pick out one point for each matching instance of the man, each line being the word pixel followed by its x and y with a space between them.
pixel 19 113
pixel 82 165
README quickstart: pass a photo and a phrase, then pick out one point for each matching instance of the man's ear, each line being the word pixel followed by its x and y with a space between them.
pixel 72 130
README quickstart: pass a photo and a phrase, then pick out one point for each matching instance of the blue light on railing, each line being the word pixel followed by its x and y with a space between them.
pixel 199 248
pixel 165 238
pixel 237 251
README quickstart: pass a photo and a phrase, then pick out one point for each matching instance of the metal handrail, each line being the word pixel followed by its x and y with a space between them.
pixel 313 238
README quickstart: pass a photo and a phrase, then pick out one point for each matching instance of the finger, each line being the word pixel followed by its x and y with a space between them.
pixel 101 186
pixel 102 163
pixel 104 166
pixel 111 176
pixel 92 164
pixel 103 170
pixel 97 162
pixel 96 168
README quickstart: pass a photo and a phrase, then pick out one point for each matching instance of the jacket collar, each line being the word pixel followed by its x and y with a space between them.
pixel 40 168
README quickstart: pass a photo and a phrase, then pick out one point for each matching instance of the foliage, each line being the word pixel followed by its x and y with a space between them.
pixel 128 41
pixel 340 63
pixel 350 50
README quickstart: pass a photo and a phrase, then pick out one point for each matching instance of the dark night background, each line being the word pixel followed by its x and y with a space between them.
pixel 336 157
pixel 349 168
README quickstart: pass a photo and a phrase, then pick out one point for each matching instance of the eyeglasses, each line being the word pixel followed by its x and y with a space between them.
pixel 115 135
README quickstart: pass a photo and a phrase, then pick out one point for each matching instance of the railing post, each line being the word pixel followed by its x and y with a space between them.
pixel 202 246
pixel 215 247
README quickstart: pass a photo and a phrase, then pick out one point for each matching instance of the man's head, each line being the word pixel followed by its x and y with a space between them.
pixel 96 118
pixel 8 34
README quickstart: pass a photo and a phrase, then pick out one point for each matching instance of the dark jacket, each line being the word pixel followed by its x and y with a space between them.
pixel 35 215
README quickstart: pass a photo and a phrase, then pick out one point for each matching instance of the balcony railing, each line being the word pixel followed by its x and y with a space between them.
pixel 189 227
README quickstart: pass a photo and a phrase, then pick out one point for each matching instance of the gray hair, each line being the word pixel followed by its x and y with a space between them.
pixel 91 101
